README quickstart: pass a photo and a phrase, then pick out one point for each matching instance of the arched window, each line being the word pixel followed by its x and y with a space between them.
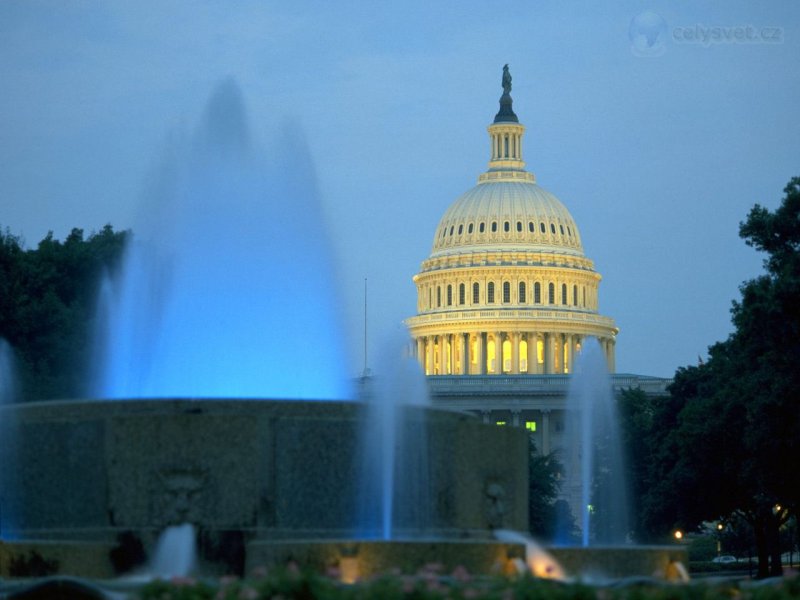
pixel 523 356
pixel 530 226
pixel 537 293
pixel 564 294
pixel 506 356
pixel 494 226
pixel 521 294
pixel 551 293
pixel 470 227
pixel 438 296
pixel 519 226
pixel 575 295
pixel 430 297
pixel 482 227
pixel 506 292
pixel 451 229
pixel 583 293
pixel 449 295
pixel 460 229
pixel 490 293
pixel 506 226
pixel 476 293
pixel 552 227
pixel 541 227
pixel 491 356
pixel 562 229
pixel 462 294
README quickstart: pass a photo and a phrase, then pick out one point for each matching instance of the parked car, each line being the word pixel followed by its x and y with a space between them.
pixel 725 558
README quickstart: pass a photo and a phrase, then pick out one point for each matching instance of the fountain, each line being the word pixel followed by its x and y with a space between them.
pixel 230 406
pixel 595 443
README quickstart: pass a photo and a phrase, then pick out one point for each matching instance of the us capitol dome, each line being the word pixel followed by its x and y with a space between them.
pixel 507 288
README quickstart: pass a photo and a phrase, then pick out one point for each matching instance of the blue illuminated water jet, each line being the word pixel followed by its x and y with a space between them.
pixel 227 289
pixel 594 437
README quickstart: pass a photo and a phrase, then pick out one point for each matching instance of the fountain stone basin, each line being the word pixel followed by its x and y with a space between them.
pixel 239 470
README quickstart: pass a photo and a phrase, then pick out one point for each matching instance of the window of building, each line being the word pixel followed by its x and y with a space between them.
pixel 552 227
pixel 506 226
pixel 521 294
pixel 551 293
pixel 501 423
pixel 438 296
pixel 476 289
pixel 460 229
pixel 564 294
pixel 575 295
pixel 537 293
pixel 494 226
pixel 451 229
pixel 482 227
pixel 470 227
pixel 569 231
pixel 541 227
pixel 490 356
pixel 523 356
pixel 583 292
pixel 540 351
pixel 506 292
pixel 490 293
pixel 562 229
pixel 519 226
pixel 449 295
pixel 506 356
pixel 462 294
pixel 530 226
pixel 530 426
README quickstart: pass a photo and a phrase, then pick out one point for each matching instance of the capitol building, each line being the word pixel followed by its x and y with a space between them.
pixel 508 298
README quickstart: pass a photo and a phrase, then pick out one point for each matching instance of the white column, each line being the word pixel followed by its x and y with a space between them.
pixel 515 352
pixel 421 352
pixel 568 360
pixel 462 354
pixel 548 353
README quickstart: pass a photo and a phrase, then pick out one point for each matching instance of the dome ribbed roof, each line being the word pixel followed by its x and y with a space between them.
pixel 507 216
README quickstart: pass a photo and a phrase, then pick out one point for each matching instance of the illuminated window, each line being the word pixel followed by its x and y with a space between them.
pixel 521 292
pixel 470 227
pixel 449 295
pixel 530 425
pixel 494 226
pixel 523 356
pixel 507 356
pixel 564 293
pixel 540 351
pixel 541 227
pixel 462 293
pixel 530 226
pixel 476 296
pixel 460 229
pixel 500 423
pixel 551 293
pixel 490 356
pixel 473 351
pixel 519 225
pixel 575 295
pixel 438 296
pixel 506 292
pixel 490 293
pixel 482 227
pixel 537 293
pixel 506 226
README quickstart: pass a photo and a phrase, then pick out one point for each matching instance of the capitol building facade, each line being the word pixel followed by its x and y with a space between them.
pixel 508 299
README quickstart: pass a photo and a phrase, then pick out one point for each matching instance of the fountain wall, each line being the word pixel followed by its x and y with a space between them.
pixel 264 469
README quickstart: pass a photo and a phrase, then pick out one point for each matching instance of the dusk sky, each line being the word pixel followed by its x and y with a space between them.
pixel 658 147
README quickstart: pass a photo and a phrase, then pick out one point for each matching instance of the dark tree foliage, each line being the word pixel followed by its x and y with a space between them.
pixel 47 301
pixel 726 444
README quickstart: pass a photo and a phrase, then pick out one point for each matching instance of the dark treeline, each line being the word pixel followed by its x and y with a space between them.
pixel 725 445
pixel 47 301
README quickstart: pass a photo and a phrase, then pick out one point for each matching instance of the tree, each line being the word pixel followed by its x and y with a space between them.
pixel 545 512
pixel 727 441
pixel 47 302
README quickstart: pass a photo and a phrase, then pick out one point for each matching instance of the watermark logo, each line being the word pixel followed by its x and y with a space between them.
pixel 648 34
